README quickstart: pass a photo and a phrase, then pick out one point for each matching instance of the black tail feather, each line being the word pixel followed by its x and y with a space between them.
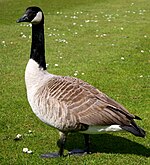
pixel 134 129
pixel 138 118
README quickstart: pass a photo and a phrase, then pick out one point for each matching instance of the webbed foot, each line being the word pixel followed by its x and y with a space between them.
pixel 78 152
pixel 50 155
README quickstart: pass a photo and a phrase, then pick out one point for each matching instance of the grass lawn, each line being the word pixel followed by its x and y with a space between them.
pixel 103 42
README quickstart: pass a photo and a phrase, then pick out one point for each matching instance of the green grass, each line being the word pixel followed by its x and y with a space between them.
pixel 117 63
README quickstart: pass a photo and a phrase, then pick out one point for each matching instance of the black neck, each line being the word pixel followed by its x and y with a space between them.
pixel 38 45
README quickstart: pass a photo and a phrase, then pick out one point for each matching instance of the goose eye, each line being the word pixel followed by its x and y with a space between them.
pixel 32 14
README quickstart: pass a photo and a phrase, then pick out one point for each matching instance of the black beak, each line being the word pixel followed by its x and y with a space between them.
pixel 24 18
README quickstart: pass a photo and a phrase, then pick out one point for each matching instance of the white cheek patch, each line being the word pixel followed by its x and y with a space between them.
pixel 37 19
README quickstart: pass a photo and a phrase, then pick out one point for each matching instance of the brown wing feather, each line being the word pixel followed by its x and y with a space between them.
pixel 87 103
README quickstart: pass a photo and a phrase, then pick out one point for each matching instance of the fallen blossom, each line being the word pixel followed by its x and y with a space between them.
pixel 76 73
pixel 24 36
pixel 74 23
pixel 29 152
pixel 18 137
pixel 25 150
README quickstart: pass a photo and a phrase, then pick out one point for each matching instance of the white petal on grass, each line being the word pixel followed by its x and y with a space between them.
pixel 75 74
pixel 122 58
pixel 141 76
pixel 62 41
pixel 24 36
pixel 25 150
pixel 29 152
pixel 74 23
pixel 103 35
pixel 141 13
pixel 56 65
pixel 142 51
pixel 86 21
pixel 29 25
pixel 18 136
pixel 74 17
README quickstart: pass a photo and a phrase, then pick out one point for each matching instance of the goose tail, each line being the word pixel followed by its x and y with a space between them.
pixel 134 128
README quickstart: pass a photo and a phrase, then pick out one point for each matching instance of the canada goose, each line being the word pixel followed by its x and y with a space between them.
pixel 66 103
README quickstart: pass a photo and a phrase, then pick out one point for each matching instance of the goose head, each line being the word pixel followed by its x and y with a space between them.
pixel 33 15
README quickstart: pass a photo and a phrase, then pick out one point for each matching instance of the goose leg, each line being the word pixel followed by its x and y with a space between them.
pixel 86 149
pixel 87 143
pixel 60 153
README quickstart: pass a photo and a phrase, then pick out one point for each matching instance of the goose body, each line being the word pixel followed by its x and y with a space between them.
pixel 66 103
pixel 51 88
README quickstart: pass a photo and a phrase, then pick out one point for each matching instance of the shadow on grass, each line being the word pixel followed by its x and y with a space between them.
pixel 107 143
